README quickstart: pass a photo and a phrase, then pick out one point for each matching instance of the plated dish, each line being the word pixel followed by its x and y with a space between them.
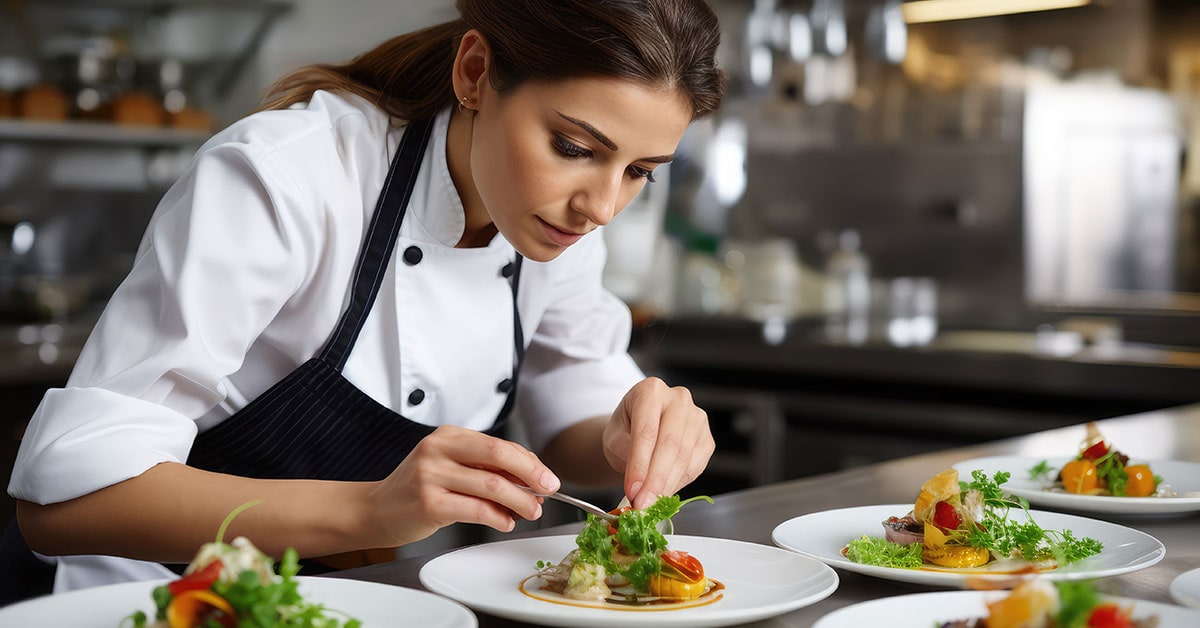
pixel 1185 588
pixel 823 535
pixel 759 582
pixel 1183 478
pixel 925 610
pixel 623 562
pixel 373 603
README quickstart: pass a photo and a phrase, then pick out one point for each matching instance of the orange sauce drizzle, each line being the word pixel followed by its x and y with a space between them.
pixel 712 595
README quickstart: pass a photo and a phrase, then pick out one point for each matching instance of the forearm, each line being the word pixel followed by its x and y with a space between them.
pixel 166 513
pixel 577 455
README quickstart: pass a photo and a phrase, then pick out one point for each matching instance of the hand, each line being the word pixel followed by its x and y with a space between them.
pixel 457 475
pixel 659 439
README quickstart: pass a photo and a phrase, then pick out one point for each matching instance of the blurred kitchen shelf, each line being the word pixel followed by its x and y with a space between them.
pixel 98 133
pixel 160 5
pixel 134 14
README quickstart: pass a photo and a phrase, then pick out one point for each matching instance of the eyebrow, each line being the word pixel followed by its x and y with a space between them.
pixel 603 139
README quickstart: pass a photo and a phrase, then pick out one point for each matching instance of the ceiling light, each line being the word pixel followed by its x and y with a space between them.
pixel 943 10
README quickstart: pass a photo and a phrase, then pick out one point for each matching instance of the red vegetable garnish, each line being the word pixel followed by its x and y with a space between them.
pixel 688 566
pixel 612 527
pixel 1095 452
pixel 202 579
pixel 945 517
pixel 1110 616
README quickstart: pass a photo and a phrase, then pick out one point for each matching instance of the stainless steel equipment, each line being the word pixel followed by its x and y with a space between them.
pixel 1101 172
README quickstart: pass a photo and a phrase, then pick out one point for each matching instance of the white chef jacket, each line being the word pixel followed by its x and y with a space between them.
pixel 242 274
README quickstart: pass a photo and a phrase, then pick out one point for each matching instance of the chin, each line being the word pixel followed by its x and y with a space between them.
pixel 540 252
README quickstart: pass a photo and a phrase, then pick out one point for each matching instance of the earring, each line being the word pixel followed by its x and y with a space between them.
pixel 462 104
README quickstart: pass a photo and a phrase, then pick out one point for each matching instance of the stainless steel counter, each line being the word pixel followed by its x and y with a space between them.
pixel 751 515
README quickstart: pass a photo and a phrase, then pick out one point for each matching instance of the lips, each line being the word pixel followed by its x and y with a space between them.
pixel 559 236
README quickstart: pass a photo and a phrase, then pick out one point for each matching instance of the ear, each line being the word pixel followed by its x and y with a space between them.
pixel 471 65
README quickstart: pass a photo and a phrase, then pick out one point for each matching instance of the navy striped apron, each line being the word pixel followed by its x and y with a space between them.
pixel 314 423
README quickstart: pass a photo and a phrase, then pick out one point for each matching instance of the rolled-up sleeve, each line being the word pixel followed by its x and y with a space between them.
pixel 577 365
pixel 218 261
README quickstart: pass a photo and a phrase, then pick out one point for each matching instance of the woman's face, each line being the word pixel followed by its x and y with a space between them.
pixel 552 161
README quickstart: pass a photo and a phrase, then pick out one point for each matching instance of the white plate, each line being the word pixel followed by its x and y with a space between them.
pixel 376 605
pixel 922 610
pixel 1184 478
pixel 822 535
pixel 760 582
pixel 1185 588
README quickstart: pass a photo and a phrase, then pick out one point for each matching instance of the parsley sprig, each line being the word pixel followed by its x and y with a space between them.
pixel 637 532
pixel 1041 471
pixel 1111 470
pixel 1004 537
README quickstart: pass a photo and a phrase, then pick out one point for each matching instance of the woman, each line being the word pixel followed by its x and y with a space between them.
pixel 331 310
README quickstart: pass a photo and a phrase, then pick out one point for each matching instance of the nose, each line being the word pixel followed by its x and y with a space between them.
pixel 597 200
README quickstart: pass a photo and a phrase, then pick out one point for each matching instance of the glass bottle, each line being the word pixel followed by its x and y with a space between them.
pixel 848 291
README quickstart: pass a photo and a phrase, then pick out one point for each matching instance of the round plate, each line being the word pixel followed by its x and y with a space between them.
pixel 1184 478
pixel 822 535
pixel 1185 588
pixel 372 603
pixel 922 610
pixel 760 582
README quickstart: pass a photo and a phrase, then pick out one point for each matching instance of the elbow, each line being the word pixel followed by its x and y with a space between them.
pixel 39 528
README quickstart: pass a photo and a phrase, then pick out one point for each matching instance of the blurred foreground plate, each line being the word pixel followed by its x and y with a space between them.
pixel 1185 588
pixel 375 605
pixel 922 610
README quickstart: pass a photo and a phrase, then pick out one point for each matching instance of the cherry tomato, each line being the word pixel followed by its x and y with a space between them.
pixel 1141 481
pixel 1095 452
pixel 1079 476
pixel 612 527
pixel 1110 616
pixel 202 579
pixel 687 566
pixel 945 517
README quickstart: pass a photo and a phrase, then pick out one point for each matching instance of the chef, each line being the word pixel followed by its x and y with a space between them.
pixel 338 305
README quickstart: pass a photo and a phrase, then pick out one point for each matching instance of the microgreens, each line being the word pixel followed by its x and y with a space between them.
pixel 637 533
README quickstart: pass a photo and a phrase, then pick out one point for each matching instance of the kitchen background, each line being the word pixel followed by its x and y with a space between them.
pixel 906 229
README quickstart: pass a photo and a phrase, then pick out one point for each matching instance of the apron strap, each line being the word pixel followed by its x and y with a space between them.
pixel 519 350
pixel 380 241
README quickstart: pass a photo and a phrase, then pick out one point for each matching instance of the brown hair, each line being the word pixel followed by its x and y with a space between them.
pixel 659 43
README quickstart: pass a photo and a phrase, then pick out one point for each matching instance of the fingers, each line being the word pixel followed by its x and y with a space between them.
pixel 670 442
pixel 474 478
pixel 494 488
pixel 506 458
pixel 640 410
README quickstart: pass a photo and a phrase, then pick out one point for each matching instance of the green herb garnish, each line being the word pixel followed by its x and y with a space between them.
pixel 1076 599
pixel 1041 471
pixel 1111 471
pixel 637 533
pixel 884 553
pixel 278 603
pixel 997 533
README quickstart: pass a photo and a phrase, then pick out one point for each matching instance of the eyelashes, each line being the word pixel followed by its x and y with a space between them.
pixel 571 150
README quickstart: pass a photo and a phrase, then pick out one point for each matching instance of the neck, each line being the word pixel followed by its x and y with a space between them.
pixel 479 229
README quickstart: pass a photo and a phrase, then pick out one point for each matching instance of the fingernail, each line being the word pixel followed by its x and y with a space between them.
pixel 511 524
pixel 635 489
pixel 537 514
pixel 550 482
